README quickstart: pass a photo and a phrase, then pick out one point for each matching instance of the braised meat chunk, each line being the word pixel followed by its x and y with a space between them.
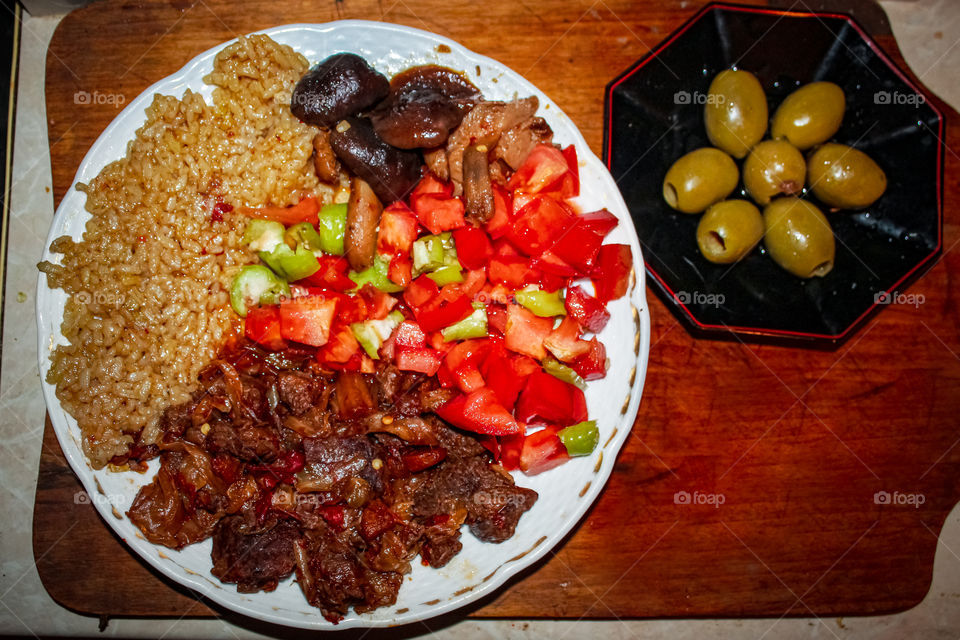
pixel 255 561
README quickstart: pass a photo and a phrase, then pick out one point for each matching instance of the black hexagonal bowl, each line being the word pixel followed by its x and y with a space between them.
pixel 654 114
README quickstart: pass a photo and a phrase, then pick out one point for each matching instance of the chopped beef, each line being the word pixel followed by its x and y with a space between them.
pixel 334 459
pixel 296 390
pixel 255 561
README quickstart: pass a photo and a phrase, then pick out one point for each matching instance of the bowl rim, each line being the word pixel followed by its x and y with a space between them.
pixel 718 330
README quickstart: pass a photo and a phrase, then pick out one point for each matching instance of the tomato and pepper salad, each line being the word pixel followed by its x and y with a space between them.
pixel 499 312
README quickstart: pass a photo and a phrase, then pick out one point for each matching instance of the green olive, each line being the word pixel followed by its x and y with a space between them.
pixel 844 177
pixel 798 237
pixel 773 168
pixel 729 230
pixel 810 115
pixel 736 112
pixel 700 178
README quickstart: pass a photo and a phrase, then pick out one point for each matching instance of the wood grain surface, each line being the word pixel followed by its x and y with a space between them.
pixel 795 442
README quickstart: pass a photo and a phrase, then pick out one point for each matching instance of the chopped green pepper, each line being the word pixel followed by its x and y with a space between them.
pixel 427 254
pixel 371 333
pixel 562 372
pixel 473 326
pixel 263 235
pixel 542 303
pixel 446 275
pixel 289 264
pixel 304 234
pixel 377 276
pixel 332 227
pixel 580 439
pixel 256 285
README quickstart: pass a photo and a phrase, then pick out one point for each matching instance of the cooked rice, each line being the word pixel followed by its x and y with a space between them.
pixel 148 305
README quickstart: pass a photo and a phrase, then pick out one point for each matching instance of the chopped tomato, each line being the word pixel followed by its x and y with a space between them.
pixel 539 225
pixel 544 170
pixel 593 364
pixel 564 342
pixel 585 309
pixel 409 335
pixel 468 351
pixel 548 400
pixel 425 360
pixel 438 212
pixel 513 271
pixel 550 263
pixel 332 274
pixel 440 314
pixel 398 230
pixel 304 211
pixel 378 304
pixel 400 270
pixel 308 319
pixel 579 245
pixel 468 378
pixel 473 247
pixel 420 292
pixel 526 332
pixel 506 374
pixel 480 411
pixel 520 200
pixel 497 318
pixel 542 451
pixel 341 346
pixel 510 449
pixel 262 325
pixel 502 207
pixel 611 272
pixel 569 186
pixel 430 183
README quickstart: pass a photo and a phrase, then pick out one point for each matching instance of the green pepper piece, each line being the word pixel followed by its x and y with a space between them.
pixel 428 254
pixel 304 234
pixel 473 326
pixel 562 372
pixel 580 439
pixel 332 228
pixel 256 285
pixel 377 276
pixel 263 235
pixel 542 303
pixel 289 264
pixel 371 333
pixel 446 275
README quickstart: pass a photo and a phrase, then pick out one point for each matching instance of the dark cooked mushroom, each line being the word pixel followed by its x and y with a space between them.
pixel 391 172
pixel 476 184
pixel 363 216
pixel 424 105
pixel 340 86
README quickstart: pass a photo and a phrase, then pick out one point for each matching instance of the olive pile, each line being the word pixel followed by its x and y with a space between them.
pixel 795 232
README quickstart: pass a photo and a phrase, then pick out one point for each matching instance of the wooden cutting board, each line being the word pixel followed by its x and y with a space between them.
pixel 794 442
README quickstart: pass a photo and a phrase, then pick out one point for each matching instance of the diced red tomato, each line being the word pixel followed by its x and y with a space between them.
pixel 331 275
pixel 425 360
pixel 438 212
pixel 468 377
pixel 398 230
pixel 502 208
pixel 378 303
pixel 409 335
pixel 400 270
pixel 593 364
pixel 307 320
pixel 539 225
pixel 564 342
pixel 510 449
pixel 304 211
pixel 262 325
pixel 520 200
pixel 550 282
pixel 548 400
pixel 541 171
pixel 506 374
pixel 473 352
pixel 611 272
pixel 585 309
pixel 550 263
pixel 480 411
pixel 542 451
pixel 433 317
pixel 497 317
pixel 420 292
pixel 473 247
pixel 513 271
pixel 430 183
pixel 341 346
pixel 526 332
pixel 570 182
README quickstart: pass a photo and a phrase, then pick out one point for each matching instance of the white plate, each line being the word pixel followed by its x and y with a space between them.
pixel 565 493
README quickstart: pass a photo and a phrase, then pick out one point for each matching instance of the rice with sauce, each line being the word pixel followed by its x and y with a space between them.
pixel 148 303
